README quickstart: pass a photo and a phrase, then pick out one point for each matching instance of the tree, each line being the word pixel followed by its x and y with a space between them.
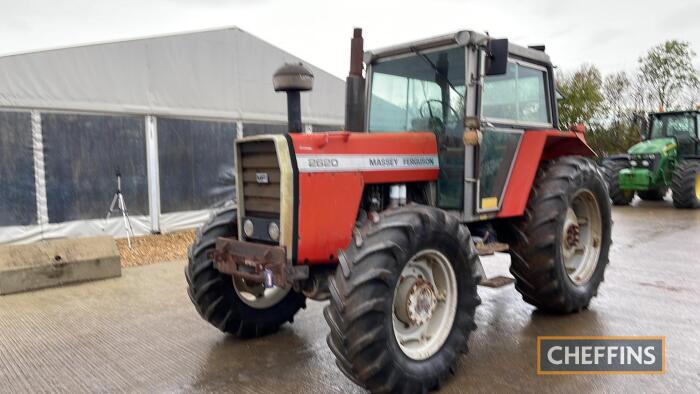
pixel 613 138
pixel 617 126
pixel 639 94
pixel 582 96
pixel 668 71
pixel 617 104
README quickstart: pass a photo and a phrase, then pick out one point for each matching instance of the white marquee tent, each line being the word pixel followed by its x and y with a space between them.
pixel 165 111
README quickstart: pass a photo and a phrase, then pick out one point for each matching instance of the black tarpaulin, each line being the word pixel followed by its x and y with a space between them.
pixel 196 162
pixel 82 154
pixel 17 191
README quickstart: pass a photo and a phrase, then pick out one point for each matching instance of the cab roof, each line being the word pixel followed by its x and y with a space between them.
pixel 688 111
pixel 461 38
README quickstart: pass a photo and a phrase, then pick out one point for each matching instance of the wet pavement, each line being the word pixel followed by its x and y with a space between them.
pixel 139 333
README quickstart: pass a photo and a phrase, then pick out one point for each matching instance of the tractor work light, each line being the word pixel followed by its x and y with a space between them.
pixel 248 228
pixel 273 230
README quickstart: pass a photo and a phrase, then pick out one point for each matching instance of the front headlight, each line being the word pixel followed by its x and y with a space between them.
pixel 273 230
pixel 645 163
pixel 248 228
pixel 633 163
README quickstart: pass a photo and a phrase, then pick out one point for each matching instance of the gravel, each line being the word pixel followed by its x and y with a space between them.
pixel 158 248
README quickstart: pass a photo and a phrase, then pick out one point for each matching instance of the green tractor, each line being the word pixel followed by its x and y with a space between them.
pixel 667 157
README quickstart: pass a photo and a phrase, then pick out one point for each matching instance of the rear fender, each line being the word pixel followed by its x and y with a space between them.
pixel 535 147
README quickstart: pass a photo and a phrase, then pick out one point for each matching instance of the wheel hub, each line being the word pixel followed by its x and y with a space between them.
pixel 416 300
pixel 573 235
pixel 256 296
pixel 421 302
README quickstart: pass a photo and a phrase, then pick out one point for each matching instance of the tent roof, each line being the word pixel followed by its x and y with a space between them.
pixel 222 73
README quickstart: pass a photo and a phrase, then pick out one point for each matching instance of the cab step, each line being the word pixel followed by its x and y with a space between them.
pixel 487 249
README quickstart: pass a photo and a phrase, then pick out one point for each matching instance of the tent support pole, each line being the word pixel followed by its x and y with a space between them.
pixel 153 172
pixel 42 211
pixel 239 129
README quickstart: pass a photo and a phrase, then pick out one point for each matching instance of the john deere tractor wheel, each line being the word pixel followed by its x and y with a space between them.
pixel 231 305
pixel 653 194
pixel 403 301
pixel 611 169
pixel 559 248
pixel 686 184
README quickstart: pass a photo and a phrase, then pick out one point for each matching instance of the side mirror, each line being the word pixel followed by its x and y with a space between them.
pixel 497 56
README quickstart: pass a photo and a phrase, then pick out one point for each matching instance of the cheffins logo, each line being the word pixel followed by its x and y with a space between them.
pixel 601 355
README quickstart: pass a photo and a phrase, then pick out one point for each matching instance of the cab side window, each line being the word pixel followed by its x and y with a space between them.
pixel 519 96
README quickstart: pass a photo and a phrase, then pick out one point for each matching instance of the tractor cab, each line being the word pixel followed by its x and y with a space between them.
pixel 454 84
pixel 681 127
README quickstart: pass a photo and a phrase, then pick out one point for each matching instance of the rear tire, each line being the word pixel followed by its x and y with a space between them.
pixel 653 194
pixel 540 249
pixel 213 293
pixel 362 313
pixel 686 184
pixel 611 169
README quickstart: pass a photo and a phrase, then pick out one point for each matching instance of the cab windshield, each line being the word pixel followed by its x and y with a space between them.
pixel 421 92
pixel 425 92
pixel 673 125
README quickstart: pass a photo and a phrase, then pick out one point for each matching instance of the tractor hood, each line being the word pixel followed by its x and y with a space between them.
pixel 658 145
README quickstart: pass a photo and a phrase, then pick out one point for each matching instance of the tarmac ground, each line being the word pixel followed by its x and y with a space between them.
pixel 140 333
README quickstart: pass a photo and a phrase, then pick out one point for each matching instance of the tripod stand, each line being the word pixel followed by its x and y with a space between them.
pixel 118 205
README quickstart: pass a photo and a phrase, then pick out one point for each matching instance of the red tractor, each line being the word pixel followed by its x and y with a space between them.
pixel 448 139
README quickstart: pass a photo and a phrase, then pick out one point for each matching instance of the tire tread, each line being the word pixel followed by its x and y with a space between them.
pixel 683 184
pixel 361 353
pixel 212 292
pixel 533 241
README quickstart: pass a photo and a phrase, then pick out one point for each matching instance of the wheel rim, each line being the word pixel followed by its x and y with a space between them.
pixel 425 304
pixel 581 237
pixel 256 296
pixel 697 186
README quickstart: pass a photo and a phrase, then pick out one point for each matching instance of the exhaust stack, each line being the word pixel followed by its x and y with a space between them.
pixel 292 79
pixel 355 86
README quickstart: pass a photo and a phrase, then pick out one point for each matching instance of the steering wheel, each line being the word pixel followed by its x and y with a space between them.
pixel 438 123
pixel 428 105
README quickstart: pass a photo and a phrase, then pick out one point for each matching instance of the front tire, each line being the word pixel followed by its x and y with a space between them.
pixel 390 275
pixel 222 303
pixel 686 185
pixel 611 170
pixel 653 194
pixel 559 248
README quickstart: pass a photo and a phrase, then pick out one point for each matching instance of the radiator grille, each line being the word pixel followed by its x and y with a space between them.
pixel 259 161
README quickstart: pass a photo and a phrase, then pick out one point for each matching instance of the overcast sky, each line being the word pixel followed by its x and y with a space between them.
pixel 609 33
